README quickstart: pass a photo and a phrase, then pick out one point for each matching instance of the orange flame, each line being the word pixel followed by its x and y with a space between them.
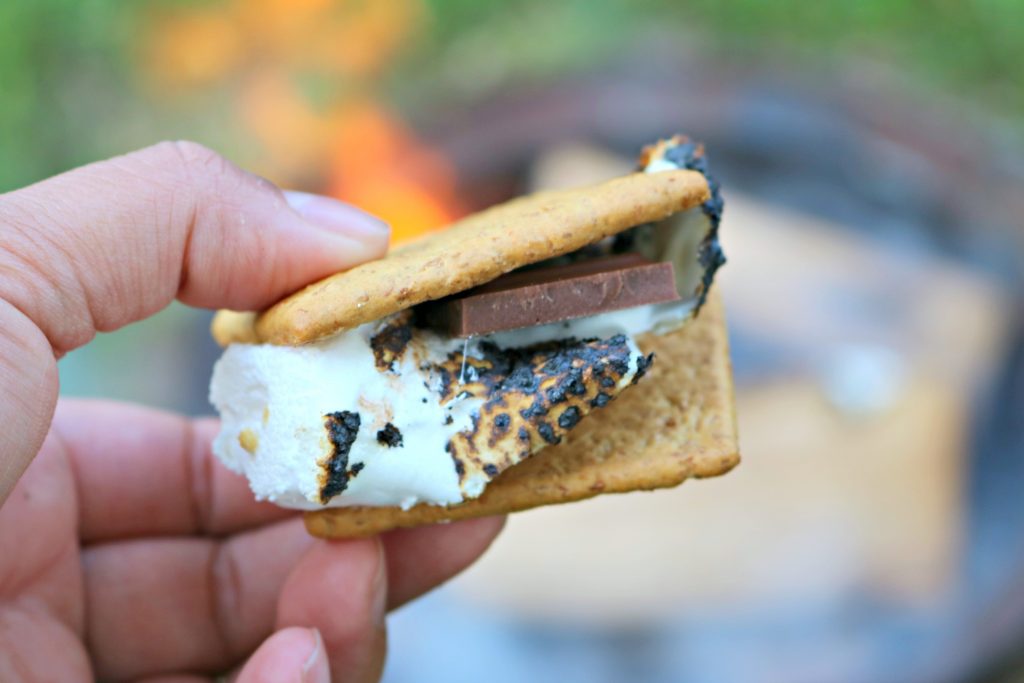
pixel 378 164
pixel 350 146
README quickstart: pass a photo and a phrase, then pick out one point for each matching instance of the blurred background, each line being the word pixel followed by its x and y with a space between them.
pixel 872 161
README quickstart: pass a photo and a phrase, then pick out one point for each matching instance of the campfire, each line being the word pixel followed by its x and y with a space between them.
pixel 302 81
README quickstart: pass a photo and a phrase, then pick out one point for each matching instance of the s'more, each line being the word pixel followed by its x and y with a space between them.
pixel 549 349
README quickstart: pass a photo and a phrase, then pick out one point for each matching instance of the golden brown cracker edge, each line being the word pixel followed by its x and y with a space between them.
pixel 680 422
pixel 471 252
pixel 234 327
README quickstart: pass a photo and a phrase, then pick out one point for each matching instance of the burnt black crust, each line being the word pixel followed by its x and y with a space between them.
pixel 569 418
pixel 390 436
pixel 342 428
pixel 524 370
pixel 690 155
pixel 550 386
pixel 643 364
pixel 390 342
pixel 547 432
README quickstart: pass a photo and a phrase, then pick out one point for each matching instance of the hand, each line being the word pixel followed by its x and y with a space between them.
pixel 126 549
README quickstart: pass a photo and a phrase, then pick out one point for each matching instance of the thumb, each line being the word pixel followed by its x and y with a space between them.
pixel 292 654
pixel 113 242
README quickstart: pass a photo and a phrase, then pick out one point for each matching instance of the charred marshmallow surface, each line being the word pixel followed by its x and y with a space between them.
pixel 392 414
pixel 327 424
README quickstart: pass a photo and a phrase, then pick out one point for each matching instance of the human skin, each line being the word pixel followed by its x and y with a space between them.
pixel 126 550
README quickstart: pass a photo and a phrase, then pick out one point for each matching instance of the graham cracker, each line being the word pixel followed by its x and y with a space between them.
pixel 234 327
pixel 677 423
pixel 471 252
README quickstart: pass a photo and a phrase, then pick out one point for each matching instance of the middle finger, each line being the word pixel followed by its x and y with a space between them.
pixel 185 604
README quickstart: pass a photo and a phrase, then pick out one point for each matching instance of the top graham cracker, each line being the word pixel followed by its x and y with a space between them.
pixel 471 252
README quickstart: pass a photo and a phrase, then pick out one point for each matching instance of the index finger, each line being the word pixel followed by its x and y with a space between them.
pixel 141 471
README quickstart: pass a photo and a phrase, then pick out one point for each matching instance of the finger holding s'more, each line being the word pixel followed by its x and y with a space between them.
pixel 549 349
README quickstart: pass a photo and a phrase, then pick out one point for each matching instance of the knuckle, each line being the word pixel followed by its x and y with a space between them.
pixel 197 475
pixel 37 271
pixel 226 595
pixel 195 155
pixel 191 162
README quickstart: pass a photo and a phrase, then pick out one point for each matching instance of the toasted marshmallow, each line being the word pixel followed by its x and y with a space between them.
pixel 358 419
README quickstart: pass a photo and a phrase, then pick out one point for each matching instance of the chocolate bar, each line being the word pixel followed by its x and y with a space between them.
pixel 537 296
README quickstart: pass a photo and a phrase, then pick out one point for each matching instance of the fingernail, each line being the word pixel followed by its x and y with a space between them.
pixel 336 216
pixel 316 669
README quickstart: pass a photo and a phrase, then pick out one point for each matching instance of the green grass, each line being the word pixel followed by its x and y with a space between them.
pixel 974 47
pixel 69 92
